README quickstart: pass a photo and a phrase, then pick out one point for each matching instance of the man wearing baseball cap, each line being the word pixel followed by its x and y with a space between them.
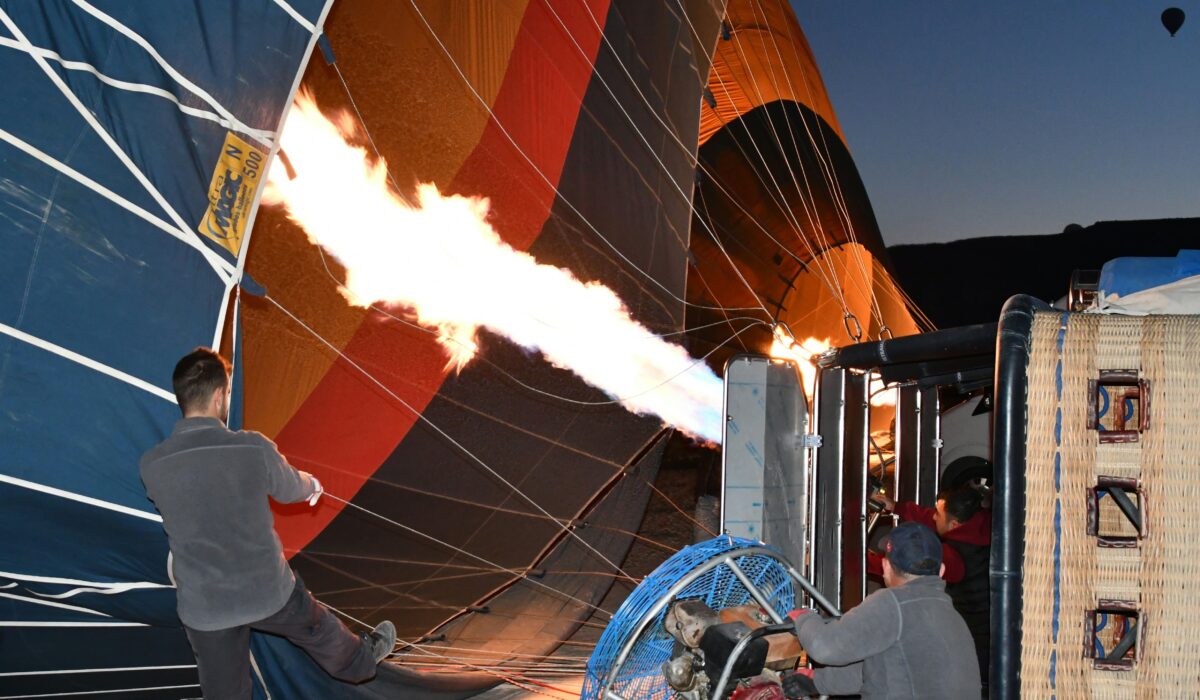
pixel 903 641
pixel 965 528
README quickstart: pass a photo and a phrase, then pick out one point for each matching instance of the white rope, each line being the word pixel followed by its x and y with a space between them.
pixel 826 160
pixel 58 623
pixel 446 436
pixel 223 309
pixel 425 604
pixel 451 662
pixel 102 692
pixel 75 582
pixel 495 652
pixel 83 111
pixel 257 134
pixel 687 197
pixel 101 587
pixel 123 588
pixel 781 201
pixel 219 264
pixel 689 153
pixel 258 673
pixel 123 669
pixel 86 362
pixel 502 659
pixel 299 20
pixel 519 574
pixel 827 276
pixel 500 125
pixel 830 173
pixel 415 647
pixel 809 203
pixel 516 680
pixel 170 70
pixel 389 560
pixel 252 216
pixel 5 478
pixel 52 604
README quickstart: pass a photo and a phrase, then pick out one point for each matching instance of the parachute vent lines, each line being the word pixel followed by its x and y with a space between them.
pixel 439 259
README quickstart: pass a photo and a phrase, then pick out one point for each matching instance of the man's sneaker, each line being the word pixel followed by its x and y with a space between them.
pixel 383 640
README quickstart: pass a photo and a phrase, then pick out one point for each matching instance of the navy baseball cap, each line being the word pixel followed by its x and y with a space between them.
pixel 914 549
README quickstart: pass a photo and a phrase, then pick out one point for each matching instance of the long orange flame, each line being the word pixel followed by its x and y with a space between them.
pixel 442 261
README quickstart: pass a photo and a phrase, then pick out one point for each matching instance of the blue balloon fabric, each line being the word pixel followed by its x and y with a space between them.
pixel 133 138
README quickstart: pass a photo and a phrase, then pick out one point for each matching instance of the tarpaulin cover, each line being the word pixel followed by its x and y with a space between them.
pixel 1124 276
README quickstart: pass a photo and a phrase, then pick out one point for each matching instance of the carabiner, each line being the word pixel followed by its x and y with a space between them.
pixel 856 334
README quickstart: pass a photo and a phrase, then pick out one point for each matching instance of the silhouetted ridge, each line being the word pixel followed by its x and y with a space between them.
pixel 967 281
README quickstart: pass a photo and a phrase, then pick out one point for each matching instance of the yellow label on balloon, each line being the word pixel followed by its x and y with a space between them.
pixel 234 183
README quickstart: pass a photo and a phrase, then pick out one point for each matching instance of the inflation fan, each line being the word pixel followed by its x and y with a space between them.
pixel 636 654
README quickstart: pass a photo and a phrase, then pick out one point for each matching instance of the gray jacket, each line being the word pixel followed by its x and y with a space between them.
pixel 905 642
pixel 211 485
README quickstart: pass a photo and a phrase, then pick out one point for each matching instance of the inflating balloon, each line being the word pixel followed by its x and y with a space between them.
pixel 679 164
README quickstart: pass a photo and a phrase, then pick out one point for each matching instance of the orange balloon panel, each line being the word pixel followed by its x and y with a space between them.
pixel 299 392
pixel 847 274
pixel 764 59
pixel 475 470
pixel 783 228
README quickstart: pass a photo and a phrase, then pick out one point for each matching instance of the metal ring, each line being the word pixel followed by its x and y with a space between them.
pixel 856 334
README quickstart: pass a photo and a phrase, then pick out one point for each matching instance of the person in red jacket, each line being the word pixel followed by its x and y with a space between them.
pixel 965 528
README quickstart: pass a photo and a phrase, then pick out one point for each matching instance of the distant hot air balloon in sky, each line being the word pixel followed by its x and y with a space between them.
pixel 1172 19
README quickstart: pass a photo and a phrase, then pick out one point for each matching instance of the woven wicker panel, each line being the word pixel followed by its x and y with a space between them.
pixel 1107 685
pixel 1117 576
pixel 1170 577
pixel 1120 460
pixel 1079 551
pixel 1037 609
pixel 1118 343
pixel 1059 557
pixel 1162 574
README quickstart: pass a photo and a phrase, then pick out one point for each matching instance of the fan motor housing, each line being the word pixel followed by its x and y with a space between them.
pixel 718 643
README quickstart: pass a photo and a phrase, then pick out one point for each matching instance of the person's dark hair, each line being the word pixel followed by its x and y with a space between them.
pixel 197 376
pixel 962 503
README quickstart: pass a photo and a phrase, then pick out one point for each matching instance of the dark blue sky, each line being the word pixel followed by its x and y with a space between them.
pixel 971 117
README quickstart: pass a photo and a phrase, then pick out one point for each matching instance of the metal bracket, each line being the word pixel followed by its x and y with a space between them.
pixel 810 441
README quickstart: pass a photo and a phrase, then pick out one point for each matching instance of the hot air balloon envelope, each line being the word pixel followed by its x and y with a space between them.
pixel 1172 19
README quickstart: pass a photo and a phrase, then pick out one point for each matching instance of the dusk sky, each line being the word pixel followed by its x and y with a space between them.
pixel 993 118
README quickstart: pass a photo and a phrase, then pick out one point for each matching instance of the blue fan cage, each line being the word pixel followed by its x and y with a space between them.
pixel 723 572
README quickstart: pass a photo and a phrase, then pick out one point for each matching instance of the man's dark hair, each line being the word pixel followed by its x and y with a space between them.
pixel 962 503
pixel 197 376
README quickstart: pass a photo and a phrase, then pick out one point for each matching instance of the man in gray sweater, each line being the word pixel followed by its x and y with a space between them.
pixel 211 486
pixel 905 641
